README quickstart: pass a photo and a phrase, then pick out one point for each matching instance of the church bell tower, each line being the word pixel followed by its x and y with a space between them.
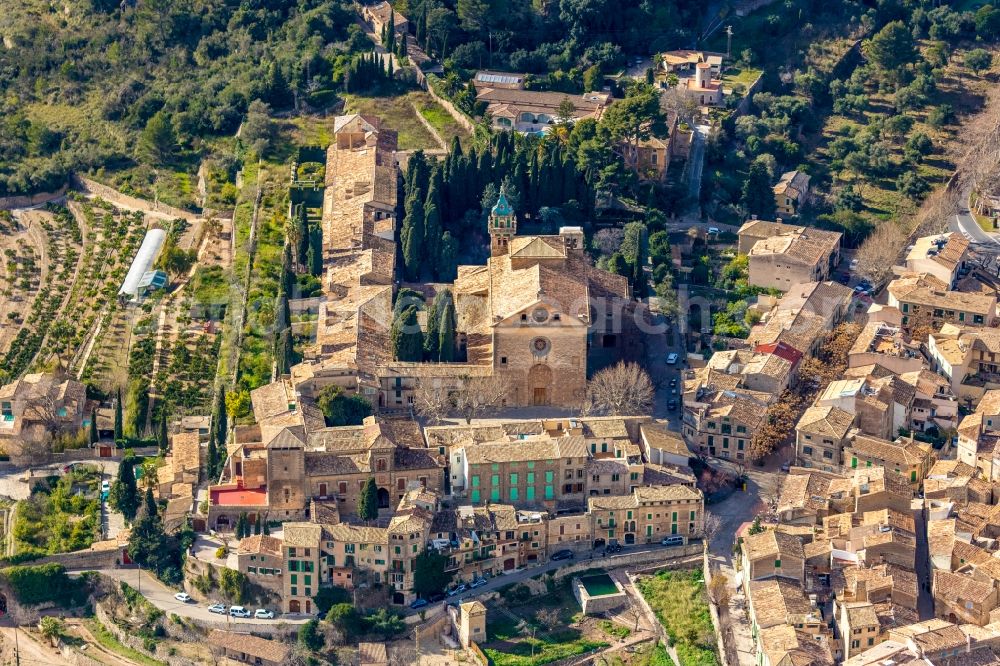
pixel 502 226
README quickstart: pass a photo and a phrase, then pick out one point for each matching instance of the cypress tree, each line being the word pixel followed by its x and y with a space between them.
pixel 302 236
pixel 220 421
pixel 407 338
pixel 256 525
pixel 266 528
pixel 124 494
pixel 446 327
pixel 118 415
pixel 431 339
pixel 93 426
pixel 432 237
pixel 368 502
pixel 316 251
pixel 287 270
pixel 161 434
pixel 413 224
pixel 447 258
pixel 285 356
pixel 211 456
pixel 278 92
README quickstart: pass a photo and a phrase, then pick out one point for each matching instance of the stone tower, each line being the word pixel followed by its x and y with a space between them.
pixel 502 226
pixel 472 623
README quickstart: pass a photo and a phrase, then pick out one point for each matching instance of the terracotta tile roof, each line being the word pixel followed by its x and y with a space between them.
pixel 260 543
pixel 792 184
pixel 956 588
pixel 664 493
pixel 925 289
pixel 658 436
pixel 784 644
pixel 777 601
pixel 541 448
pixel 346 533
pixel 807 245
pixel 304 535
pixel 861 615
pixel 272 651
pixel 825 421
pixel 773 544
pixel 904 453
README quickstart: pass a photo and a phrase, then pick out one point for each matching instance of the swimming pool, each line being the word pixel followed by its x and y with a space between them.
pixel 599 585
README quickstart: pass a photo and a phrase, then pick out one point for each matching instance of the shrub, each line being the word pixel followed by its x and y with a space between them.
pixel 34 585
pixel 220 552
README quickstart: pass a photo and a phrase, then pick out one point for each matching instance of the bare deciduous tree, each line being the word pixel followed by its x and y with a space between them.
pixel 480 395
pixel 432 401
pixel 548 618
pixel 879 252
pixel 718 589
pixel 609 240
pixel 711 527
pixel 770 490
pixel 621 389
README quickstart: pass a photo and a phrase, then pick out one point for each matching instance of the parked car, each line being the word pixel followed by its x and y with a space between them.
pixel 785 467
pixel 419 603
pixel 613 546
pixel 714 230
pixel 183 596
pixel 672 405
pixel 672 358
pixel 673 382
pixel 434 598
pixel 461 587
pixel 564 554
pixel 217 608
pixel 263 614
pixel 479 582
pixel 239 611
pixel 105 487
pixel 674 540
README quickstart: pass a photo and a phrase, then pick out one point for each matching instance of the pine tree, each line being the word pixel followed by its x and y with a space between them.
pixel 161 434
pixel 278 93
pixel 446 327
pixel 413 225
pixel 407 338
pixel 368 502
pixel 118 416
pixel 93 426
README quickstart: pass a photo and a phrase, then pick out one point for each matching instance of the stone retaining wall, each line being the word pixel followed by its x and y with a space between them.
pixel 114 196
pixel 714 611
pixel 135 642
pixel 24 201
pixel 660 556
pixel 459 117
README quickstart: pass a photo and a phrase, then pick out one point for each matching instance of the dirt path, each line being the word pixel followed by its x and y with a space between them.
pixel 28 651
pixel 93 645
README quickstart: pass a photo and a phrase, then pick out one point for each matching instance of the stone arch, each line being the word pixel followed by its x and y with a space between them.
pixel 540 384
pixel 383 498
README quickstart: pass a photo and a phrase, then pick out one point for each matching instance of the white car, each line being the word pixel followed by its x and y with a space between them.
pixel 263 614
pixel 217 608
pixel 714 230
pixel 105 486
pixel 672 358
pixel 183 597
pixel 239 611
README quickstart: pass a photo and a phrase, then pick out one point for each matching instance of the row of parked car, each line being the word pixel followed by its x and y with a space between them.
pixel 450 592
pixel 233 611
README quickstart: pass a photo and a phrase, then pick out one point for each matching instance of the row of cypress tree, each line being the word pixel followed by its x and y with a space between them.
pixel 438 198
pixel 437 342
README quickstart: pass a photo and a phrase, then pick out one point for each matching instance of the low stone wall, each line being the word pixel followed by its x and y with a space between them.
pixel 82 559
pixel 660 556
pixel 114 196
pixel 714 611
pixel 135 642
pixel 24 201
pixel 80 659
pixel 592 605
pixel 459 117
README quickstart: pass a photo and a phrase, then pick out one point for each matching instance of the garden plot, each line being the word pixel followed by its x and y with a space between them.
pixel 23 272
pixel 61 255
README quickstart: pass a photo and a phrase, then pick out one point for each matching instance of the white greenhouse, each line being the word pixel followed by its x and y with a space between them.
pixel 142 263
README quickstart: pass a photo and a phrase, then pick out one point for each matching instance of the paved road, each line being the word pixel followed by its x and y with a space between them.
pixel 964 223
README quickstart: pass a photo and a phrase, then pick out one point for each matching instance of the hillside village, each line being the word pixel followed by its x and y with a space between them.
pixel 483 352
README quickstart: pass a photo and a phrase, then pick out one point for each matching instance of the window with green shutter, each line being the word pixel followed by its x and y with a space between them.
pixel 475 496
pixel 777 564
pixel 529 493
pixel 913 475
pixel 513 494
pixel 548 492
pixel 513 479
pixel 495 494
pixel 475 481
pixel 692 516
pixel 854 462
pixel 548 477
pixel 531 477
pixel 674 516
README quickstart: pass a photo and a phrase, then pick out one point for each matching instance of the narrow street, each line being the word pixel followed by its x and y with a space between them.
pixel 696 164
pixel 964 223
